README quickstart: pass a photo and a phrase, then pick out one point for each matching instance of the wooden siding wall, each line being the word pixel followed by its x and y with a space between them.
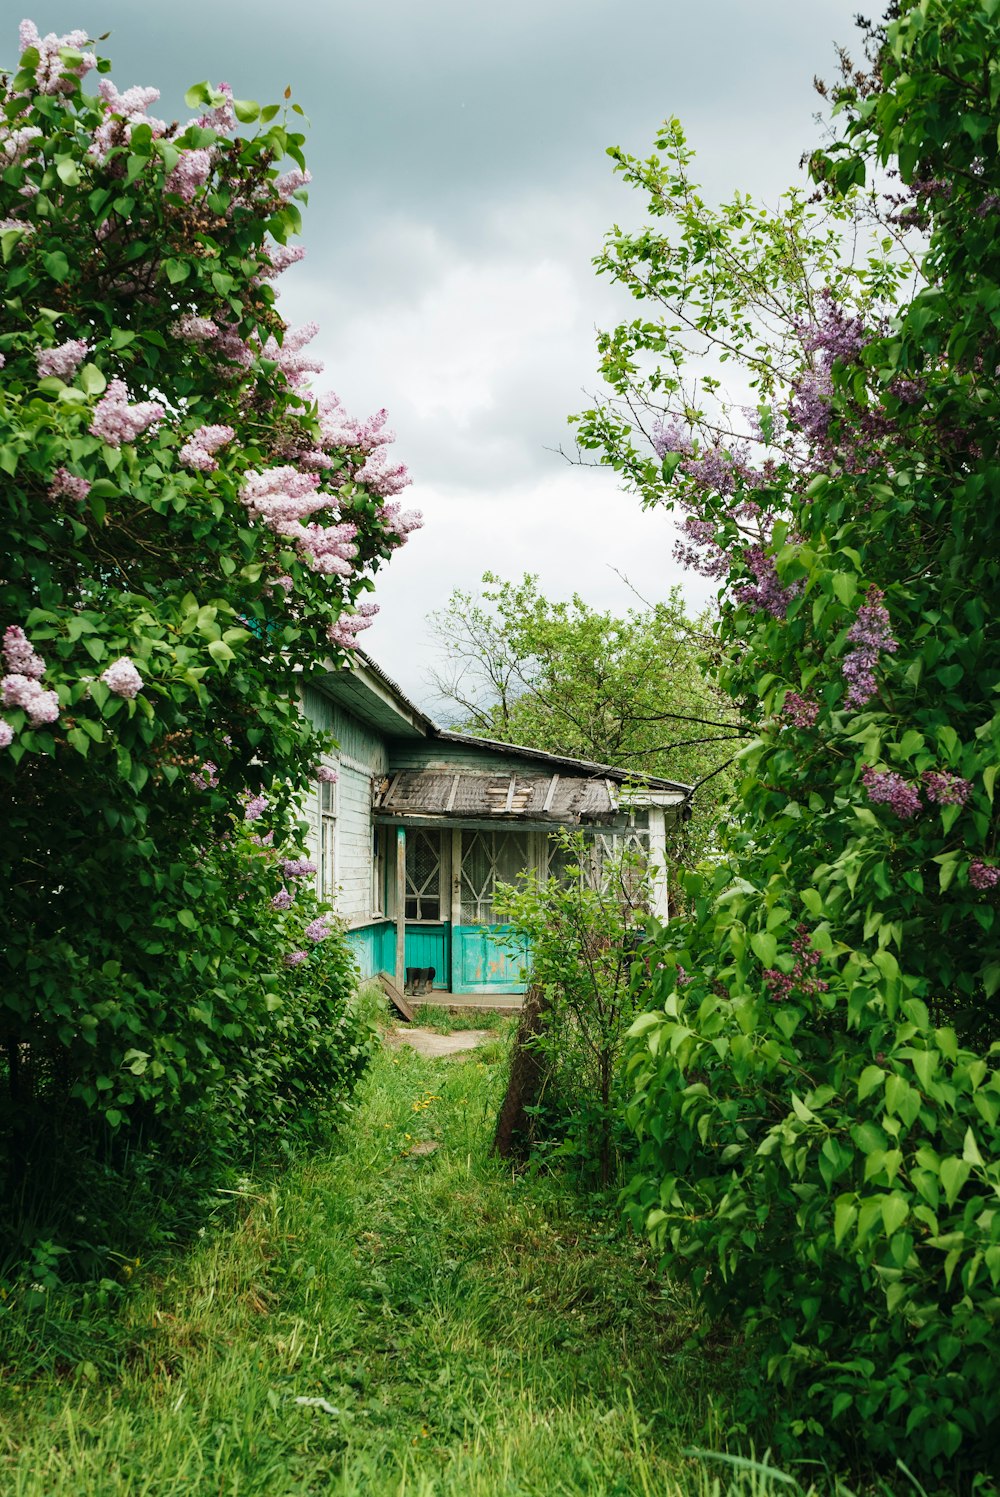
pixel 361 756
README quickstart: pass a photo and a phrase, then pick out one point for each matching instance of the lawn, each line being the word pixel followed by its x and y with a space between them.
pixel 400 1315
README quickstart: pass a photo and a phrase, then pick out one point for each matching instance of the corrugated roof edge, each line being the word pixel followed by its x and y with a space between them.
pixel 609 771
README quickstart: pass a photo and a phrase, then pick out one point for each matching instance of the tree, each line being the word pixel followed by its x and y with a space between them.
pixel 189 534
pixel 569 679
pixel 816 1088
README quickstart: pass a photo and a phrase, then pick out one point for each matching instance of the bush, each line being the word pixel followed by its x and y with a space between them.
pixel 582 933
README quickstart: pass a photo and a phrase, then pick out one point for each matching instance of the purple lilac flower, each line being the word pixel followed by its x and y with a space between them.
pixel 122 678
pixel 282 900
pixel 319 929
pixel 65 482
pixel 294 958
pixel 800 712
pixel 298 867
pixel 62 362
pixel 223 117
pixel 326 775
pixel 192 329
pixel 115 421
pixel 207 778
pixel 766 593
pixel 192 171
pixel 888 788
pixel 871 631
pixel 983 875
pixel 20 655
pixel 255 808
pixel 6 734
pixel 944 788
pixel 199 449
pixel 23 691
pixel 52 75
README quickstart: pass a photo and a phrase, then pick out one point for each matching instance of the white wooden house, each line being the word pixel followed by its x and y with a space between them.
pixel 422 823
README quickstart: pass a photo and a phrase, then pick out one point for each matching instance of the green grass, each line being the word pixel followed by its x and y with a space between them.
pixel 455 1331
pixel 434 1016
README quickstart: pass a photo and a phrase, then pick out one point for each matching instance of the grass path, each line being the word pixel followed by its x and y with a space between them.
pixel 388 1319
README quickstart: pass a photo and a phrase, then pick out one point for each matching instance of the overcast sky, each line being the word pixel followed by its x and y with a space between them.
pixel 460 189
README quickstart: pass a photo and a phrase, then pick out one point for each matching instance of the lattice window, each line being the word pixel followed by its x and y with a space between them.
pixel 423 875
pixel 490 858
pixel 603 864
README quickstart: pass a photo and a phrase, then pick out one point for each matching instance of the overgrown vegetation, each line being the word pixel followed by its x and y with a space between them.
pixel 583 927
pixel 188 534
pixel 386 1320
pixel 816 1081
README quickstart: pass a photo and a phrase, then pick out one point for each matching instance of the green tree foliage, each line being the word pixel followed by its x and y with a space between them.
pixel 816 1080
pixel 570 679
pixel 162 598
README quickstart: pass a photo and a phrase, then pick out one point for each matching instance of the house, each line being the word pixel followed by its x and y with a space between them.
pixel 421 824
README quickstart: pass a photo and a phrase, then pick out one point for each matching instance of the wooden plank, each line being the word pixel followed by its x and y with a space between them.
pixel 454 791
pixel 550 794
pixel 395 997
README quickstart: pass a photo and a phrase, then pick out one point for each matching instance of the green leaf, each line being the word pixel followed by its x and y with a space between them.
pixel 92 380
pixel 871 1077
pixel 246 110
pixel 57 265
pixel 765 947
pixel 954 1173
pixel 895 1210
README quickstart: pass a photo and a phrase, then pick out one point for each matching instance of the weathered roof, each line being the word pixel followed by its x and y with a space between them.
pixel 564 799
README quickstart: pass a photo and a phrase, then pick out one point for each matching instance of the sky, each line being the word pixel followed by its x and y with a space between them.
pixel 461 188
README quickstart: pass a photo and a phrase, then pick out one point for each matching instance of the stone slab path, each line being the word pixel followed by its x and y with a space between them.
pixel 429 1042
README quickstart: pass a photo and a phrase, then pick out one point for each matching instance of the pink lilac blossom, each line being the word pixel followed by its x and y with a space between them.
pixel 223 117
pixel 381 477
pixel 983 875
pixel 67 483
pixel 19 690
pixel 62 362
pixel 115 421
pixel 885 787
pixel 122 113
pixel 298 867
pixel 295 958
pixel 285 186
pixel 200 446
pixel 255 807
pixel 347 628
pixel 319 929
pixel 289 356
pixel 207 778
pixel 945 789
pixel 283 900
pixel 193 329
pixel 6 734
pixel 20 656
pixel 191 172
pixel 800 712
pixel 50 68
pixel 15 145
pixel 278 257
pixel 401 521
pixel 122 678
pixel 326 775
pixel 871 632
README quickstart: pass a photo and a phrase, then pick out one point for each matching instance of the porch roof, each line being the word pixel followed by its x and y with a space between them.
pixel 472 795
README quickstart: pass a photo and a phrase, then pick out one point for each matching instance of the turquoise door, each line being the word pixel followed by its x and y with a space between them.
pixel 485 956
